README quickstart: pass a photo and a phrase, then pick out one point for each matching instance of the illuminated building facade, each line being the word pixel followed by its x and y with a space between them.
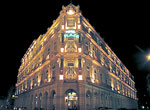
pixel 71 66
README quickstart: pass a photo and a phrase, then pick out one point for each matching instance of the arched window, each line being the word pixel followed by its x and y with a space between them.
pixel 52 100
pixel 102 100
pixel 96 100
pixel 40 100
pixel 31 105
pixel 88 100
pixel 35 101
pixel 101 77
pixel 45 100
pixel 42 77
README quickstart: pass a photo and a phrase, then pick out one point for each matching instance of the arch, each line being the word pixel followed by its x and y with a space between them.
pixel 31 105
pixel 102 99
pixel 35 101
pixel 53 94
pixel 88 100
pixel 88 94
pixel 97 101
pixel 111 101
pixel 52 100
pixel 40 100
pixel 70 90
pixel 71 99
pixel 45 100
pixel 106 100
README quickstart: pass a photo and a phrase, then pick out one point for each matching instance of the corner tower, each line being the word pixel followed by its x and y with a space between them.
pixel 71 67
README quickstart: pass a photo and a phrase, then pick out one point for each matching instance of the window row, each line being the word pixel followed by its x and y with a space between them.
pixel 95 53
pixel 47 75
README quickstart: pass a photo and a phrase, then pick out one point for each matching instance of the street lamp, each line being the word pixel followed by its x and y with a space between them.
pixel 148 57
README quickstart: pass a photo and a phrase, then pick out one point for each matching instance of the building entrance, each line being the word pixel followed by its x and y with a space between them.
pixel 71 100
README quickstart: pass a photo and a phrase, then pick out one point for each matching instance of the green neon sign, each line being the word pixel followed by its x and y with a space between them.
pixel 71 35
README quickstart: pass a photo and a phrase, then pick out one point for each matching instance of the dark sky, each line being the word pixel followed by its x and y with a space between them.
pixel 123 25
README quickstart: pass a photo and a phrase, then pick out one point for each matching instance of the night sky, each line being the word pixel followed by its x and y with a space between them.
pixel 123 25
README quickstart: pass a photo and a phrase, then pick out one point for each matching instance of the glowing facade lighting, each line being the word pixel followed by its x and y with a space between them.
pixel 80 77
pixel 78 44
pixel 61 77
pixel 62 49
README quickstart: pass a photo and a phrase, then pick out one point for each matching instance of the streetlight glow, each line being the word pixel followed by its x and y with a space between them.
pixel 148 57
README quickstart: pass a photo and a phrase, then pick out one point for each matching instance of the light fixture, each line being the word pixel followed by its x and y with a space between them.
pixel 62 27
pixel 62 49
pixel 79 50
pixel 80 77
pixel 66 98
pixel 61 77
pixel 70 12
pixel 79 26
pixel 148 57
pixel 92 80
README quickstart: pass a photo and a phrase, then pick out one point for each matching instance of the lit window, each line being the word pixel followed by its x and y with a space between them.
pixel 62 49
pixel 79 49
pixel 61 77
pixel 80 77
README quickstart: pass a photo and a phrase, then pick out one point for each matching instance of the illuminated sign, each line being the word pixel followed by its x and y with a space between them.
pixel 71 35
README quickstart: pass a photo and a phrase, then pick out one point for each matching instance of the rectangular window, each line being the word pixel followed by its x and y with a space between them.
pixel 55 46
pixel 62 39
pixel 79 39
pixel 62 61
pixel 71 22
pixel 86 46
pixel 53 74
pixel 48 51
pixel 88 71
pixel 70 38
pixel 70 64
pixel 79 62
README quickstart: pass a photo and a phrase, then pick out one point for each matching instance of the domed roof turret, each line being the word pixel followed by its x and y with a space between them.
pixel 71 9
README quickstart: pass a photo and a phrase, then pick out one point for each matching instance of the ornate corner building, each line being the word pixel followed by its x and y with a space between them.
pixel 71 66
